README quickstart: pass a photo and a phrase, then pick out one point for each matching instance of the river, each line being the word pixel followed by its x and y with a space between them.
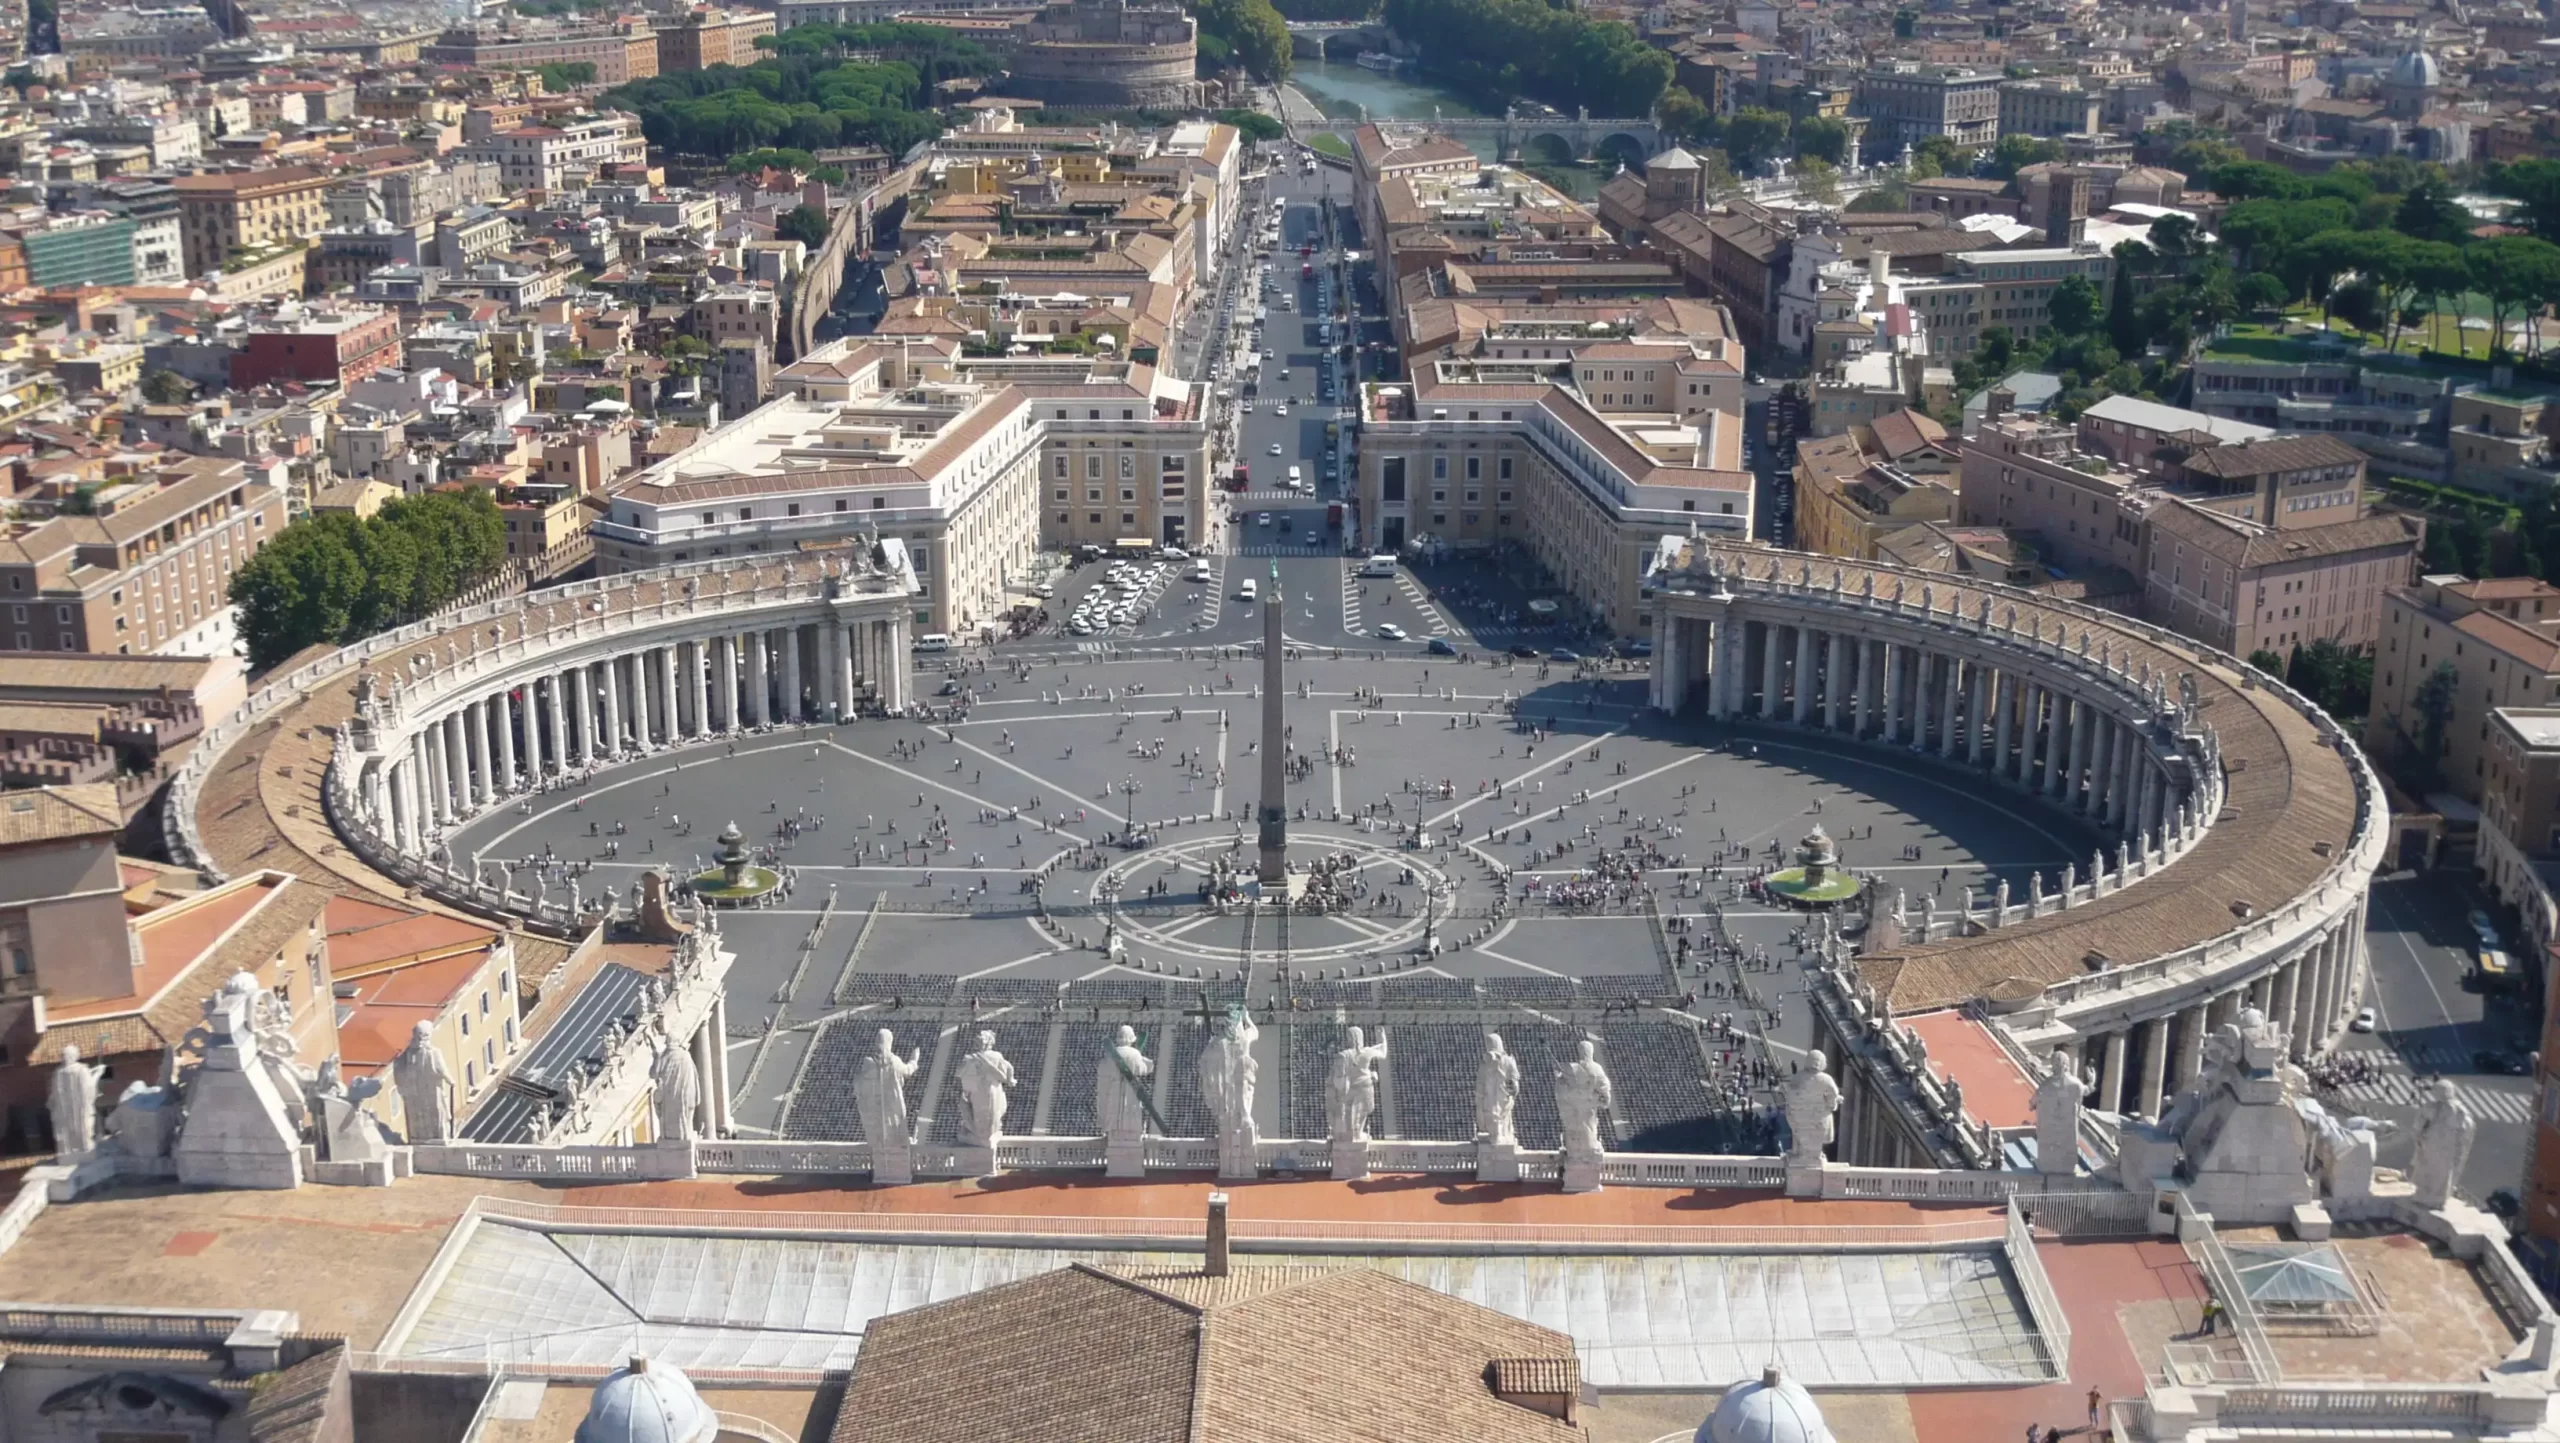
pixel 1341 89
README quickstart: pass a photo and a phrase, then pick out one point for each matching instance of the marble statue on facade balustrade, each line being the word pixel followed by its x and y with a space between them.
pixel 1119 1108
pixel 237 1132
pixel 1583 1093
pixel 1350 1096
pixel 675 1088
pixel 72 1100
pixel 1809 1099
pixel 2344 1151
pixel 425 1085
pixel 1497 1094
pixel 2059 1101
pixel 880 1096
pixel 986 1078
pixel 2445 1131
pixel 1228 1074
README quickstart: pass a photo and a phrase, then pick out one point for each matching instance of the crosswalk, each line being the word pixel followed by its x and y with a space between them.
pixel 2488 1101
pixel 1434 622
pixel 1216 587
pixel 1351 598
pixel 1276 548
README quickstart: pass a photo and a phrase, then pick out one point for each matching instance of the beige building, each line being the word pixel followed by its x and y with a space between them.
pixel 2245 587
pixel 2499 643
pixel 2519 854
pixel 248 211
pixel 1848 500
pixel 2048 109
pixel 865 439
pixel 148 570
pixel 1474 454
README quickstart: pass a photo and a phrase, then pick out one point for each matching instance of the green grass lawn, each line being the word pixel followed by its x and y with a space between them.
pixel 1330 143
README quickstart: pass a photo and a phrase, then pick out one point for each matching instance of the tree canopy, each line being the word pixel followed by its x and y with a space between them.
pixel 1253 31
pixel 803 97
pixel 334 578
pixel 1499 51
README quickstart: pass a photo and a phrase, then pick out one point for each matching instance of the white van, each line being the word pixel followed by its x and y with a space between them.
pixel 1246 590
pixel 933 641
pixel 1378 566
pixel 1295 477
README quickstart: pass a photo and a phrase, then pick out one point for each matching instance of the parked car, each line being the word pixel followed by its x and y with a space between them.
pixel 1390 631
pixel 1440 646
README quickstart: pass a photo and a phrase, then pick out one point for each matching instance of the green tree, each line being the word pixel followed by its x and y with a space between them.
pixel 561 77
pixel 1819 179
pixel 1934 156
pixel 1822 137
pixel 1259 35
pixel 167 388
pixel 1755 135
pixel 2428 212
pixel 2267 661
pixel 2516 273
pixel 2075 306
pixel 2536 182
pixel 1253 125
pixel 2016 152
pixel 2338 679
pixel 2124 322
pixel 806 224
pixel 1681 113
pixel 2434 705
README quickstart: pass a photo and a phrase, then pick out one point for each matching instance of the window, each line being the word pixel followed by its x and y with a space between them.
pixel 1439 468
pixel 1475 468
pixel 842 504
pixel 879 503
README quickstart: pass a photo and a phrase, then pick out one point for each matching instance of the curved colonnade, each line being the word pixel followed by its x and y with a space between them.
pixel 2242 824
pixel 446 718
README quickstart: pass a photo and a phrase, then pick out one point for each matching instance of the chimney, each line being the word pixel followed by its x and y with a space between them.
pixel 1879 261
pixel 1997 404
pixel 1215 1265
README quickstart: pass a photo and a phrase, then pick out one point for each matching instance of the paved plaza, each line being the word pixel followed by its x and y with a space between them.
pixel 960 874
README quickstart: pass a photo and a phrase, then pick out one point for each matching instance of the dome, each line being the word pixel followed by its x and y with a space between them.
pixel 1673 159
pixel 2417 71
pixel 1771 1409
pixel 645 1402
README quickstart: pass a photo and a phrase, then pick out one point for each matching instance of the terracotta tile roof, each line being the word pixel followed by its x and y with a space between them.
pixel 45 814
pixel 1904 432
pixel 2273 454
pixel 296 1405
pixel 1266 1354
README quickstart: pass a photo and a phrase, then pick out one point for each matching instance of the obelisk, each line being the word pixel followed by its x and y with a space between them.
pixel 1273 869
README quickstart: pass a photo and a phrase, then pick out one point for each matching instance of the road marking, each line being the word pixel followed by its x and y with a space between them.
pixel 1555 761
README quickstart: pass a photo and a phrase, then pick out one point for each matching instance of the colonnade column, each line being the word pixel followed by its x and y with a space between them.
pixel 2288 1002
pixel 555 704
pixel 840 662
pixel 666 694
pixel 759 694
pixel 2086 723
pixel 791 673
pixel 2191 1029
pixel 724 679
pixel 1895 657
pixel 2111 1075
pixel 1804 675
pixel 1835 681
pixel 1950 699
pixel 2155 1057
pixel 507 737
pixel 1769 641
pixel 608 704
pixel 2004 700
pixel 698 681
pixel 475 753
pixel 457 765
pixel 893 642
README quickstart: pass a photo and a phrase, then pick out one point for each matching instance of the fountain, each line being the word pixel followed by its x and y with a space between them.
pixel 1817 879
pixel 735 880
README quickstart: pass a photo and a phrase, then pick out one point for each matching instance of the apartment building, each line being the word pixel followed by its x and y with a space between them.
pixel 328 343
pixel 2519 850
pixel 2048 109
pixel 1124 450
pixel 2245 586
pixel 392 968
pixel 2012 289
pixel 1905 104
pixel 1474 454
pixel 1848 500
pixel 552 157
pixel 2152 439
pixel 865 438
pixel 228 212
pixel 2499 644
pixel 621 51
pixel 705 37
pixel 147 570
